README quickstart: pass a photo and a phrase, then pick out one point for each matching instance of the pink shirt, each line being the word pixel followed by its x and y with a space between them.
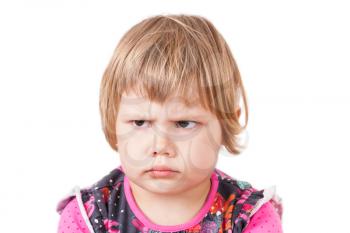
pixel 265 220
pixel 78 209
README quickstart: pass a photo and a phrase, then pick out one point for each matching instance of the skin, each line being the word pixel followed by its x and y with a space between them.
pixel 190 147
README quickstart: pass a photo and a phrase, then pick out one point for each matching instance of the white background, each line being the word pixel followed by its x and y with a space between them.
pixel 294 61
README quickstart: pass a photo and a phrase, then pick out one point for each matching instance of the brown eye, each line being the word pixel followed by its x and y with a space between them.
pixel 139 123
pixel 183 124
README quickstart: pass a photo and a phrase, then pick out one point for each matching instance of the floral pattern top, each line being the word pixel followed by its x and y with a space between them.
pixel 108 206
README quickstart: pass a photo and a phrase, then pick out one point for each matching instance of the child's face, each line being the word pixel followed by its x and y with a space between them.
pixel 186 139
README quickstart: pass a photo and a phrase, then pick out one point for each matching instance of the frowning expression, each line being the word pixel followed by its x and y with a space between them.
pixel 185 139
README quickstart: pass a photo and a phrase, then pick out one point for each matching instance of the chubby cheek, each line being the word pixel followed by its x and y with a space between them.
pixel 201 153
pixel 130 149
pixel 201 158
pixel 132 157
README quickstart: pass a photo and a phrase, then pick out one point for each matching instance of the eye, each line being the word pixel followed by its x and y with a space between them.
pixel 139 123
pixel 182 124
pixel 186 123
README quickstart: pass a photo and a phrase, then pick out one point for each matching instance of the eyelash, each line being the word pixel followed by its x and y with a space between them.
pixel 132 121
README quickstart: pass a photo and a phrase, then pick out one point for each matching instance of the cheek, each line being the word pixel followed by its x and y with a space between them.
pixel 133 154
pixel 201 153
pixel 202 157
pixel 130 148
pixel 123 131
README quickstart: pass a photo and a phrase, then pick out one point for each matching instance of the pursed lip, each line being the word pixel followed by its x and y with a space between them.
pixel 162 168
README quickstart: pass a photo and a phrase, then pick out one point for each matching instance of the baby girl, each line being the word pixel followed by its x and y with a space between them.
pixel 169 100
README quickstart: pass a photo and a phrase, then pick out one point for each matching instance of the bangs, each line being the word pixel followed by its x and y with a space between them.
pixel 175 56
pixel 169 60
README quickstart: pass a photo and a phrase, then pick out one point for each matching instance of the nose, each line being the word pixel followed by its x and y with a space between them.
pixel 162 144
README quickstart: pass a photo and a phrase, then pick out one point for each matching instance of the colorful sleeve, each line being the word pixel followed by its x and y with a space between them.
pixel 71 220
pixel 265 220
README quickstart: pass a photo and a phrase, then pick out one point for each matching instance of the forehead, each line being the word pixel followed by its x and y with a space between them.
pixel 134 98
pixel 134 101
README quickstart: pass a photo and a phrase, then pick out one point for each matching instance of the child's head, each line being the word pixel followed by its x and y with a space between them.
pixel 172 88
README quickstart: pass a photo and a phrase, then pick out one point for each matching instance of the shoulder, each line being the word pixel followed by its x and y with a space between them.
pixel 247 201
pixel 241 193
pixel 71 220
pixel 266 219
pixel 110 181
pixel 84 204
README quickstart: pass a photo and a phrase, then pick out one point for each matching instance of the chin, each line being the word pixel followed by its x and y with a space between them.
pixel 162 187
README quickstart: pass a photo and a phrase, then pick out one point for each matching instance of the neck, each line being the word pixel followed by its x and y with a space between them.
pixel 184 205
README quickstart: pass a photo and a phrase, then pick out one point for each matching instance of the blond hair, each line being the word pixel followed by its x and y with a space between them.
pixel 167 54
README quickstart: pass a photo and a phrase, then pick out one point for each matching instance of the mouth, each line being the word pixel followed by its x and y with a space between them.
pixel 163 172
pixel 161 169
